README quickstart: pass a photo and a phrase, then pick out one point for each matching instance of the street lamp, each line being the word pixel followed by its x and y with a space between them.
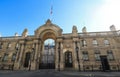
pixel 14 58
pixel 59 58
pixel 30 62
pixel 31 58
pixel 33 53
pixel 77 49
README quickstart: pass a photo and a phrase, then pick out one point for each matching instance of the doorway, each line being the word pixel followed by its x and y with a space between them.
pixel 27 59
pixel 105 64
pixel 68 59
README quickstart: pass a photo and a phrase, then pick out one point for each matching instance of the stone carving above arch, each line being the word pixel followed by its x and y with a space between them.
pixel 48 27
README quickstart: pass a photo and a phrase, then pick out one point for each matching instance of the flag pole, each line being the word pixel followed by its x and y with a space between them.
pixel 51 11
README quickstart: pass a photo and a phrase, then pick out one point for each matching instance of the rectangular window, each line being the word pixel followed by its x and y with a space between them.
pixel 106 42
pixel 5 58
pixel 17 46
pixel 1 45
pixel 85 56
pixel 84 43
pixel 95 43
pixel 13 57
pixel 0 58
pixel 9 45
pixel 97 55
pixel 110 55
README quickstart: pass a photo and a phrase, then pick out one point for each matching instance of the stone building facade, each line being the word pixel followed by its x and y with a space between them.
pixel 72 51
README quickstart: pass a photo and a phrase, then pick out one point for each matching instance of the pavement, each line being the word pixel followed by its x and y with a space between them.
pixel 53 73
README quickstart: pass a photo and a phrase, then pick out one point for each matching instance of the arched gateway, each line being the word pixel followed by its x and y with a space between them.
pixel 48 52
pixel 48 31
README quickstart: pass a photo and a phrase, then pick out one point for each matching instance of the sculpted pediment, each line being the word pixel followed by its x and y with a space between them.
pixel 48 27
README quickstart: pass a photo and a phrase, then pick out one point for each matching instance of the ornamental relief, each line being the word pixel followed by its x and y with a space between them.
pixel 67 44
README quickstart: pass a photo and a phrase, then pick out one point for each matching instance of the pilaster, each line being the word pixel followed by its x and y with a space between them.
pixel 18 62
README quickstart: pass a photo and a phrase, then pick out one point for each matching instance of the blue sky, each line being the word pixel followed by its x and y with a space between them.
pixel 96 15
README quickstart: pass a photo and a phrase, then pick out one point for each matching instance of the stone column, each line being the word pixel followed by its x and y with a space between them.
pixel 80 56
pixel 21 55
pixel 35 63
pixel 17 58
pixel 18 62
pixel 18 53
pixel 56 56
pixel 61 57
pixel 38 54
pixel 75 56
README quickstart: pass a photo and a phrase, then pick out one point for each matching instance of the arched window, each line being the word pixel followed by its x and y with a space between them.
pixel 97 55
pixel 95 43
pixel 110 55
pixel 106 42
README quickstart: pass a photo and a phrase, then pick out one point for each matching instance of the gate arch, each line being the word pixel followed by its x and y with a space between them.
pixel 49 59
pixel 47 31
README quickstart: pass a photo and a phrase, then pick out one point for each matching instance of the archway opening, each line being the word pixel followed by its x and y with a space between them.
pixel 48 55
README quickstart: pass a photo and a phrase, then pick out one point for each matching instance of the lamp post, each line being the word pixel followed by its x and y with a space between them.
pixel 31 58
pixel 30 62
pixel 33 53
pixel 77 49
pixel 59 58
pixel 14 58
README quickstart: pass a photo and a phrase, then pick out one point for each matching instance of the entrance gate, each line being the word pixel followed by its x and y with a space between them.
pixel 47 61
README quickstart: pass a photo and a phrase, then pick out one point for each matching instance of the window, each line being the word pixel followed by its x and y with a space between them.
pixel 106 42
pixel 85 55
pixel 5 58
pixel 9 45
pixel 1 45
pixel 0 58
pixel 110 55
pixel 95 43
pixel 13 57
pixel 17 46
pixel 84 43
pixel 97 55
